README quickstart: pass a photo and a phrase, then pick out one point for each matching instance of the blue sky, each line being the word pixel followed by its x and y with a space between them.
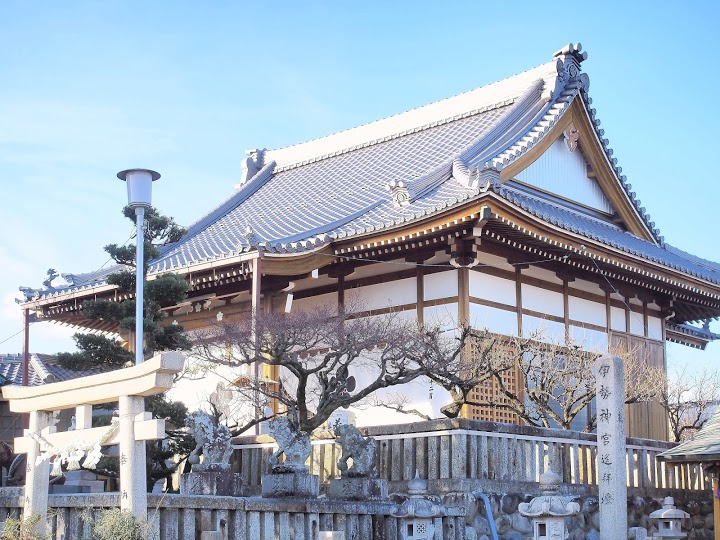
pixel 91 88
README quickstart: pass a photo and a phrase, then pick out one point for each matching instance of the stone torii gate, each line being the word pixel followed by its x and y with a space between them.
pixel 129 387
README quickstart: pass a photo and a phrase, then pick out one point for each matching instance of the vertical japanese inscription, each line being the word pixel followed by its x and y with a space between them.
pixel 610 394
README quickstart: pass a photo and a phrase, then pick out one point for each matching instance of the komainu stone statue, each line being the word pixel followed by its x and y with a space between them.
pixel 291 442
pixel 358 482
pixel 361 450
pixel 214 441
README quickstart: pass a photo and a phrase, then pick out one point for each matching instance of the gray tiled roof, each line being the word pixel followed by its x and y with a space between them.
pixel 42 369
pixel 704 447
pixel 308 195
pixel 609 234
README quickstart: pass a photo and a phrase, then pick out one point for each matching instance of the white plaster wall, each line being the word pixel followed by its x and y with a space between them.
pixel 637 326
pixel 564 173
pixel 441 285
pixel 487 259
pixel 492 288
pixel 195 390
pixel 445 316
pixel 312 302
pixel 617 319
pixel 539 273
pixel 655 328
pixel 589 339
pixel 587 286
pixel 551 331
pixel 495 320
pixel 586 311
pixel 542 300
pixel 383 295
pixel 418 397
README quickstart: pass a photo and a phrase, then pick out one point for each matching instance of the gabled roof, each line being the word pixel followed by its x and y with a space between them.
pixel 42 369
pixel 390 173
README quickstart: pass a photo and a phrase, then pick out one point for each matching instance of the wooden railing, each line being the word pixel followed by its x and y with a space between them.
pixel 475 450
pixel 182 517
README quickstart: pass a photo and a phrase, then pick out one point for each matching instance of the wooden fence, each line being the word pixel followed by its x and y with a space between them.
pixel 476 450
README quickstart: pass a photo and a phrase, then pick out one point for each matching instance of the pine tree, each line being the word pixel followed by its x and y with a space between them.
pixel 105 354
pixel 100 353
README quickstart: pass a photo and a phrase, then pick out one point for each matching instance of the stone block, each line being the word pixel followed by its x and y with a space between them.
pixel 290 484
pixel 57 489
pixel 211 483
pixel 358 489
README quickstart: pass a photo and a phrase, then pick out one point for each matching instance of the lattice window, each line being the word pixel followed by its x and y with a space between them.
pixel 490 389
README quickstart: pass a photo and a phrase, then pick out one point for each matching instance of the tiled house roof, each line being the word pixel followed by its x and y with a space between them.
pixel 392 172
pixel 42 369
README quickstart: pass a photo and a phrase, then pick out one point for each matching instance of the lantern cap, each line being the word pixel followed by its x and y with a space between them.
pixel 122 175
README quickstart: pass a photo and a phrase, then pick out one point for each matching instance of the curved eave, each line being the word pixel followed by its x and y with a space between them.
pixel 668 280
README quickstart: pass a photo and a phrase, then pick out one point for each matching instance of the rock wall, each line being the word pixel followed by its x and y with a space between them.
pixel 512 526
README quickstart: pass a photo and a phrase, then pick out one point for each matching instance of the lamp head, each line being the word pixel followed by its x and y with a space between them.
pixel 139 186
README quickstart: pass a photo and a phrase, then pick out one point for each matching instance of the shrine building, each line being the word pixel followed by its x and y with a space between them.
pixel 502 207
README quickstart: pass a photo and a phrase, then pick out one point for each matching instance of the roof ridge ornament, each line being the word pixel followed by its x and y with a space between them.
pixel 463 174
pixel 489 177
pixel 251 165
pixel 399 192
pixel 569 71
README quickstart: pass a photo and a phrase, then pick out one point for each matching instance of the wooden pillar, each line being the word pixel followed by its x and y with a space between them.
pixel 133 472
pixel 254 312
pixel 37 475
pixel 26 348
pixel 463 296
pixel 341 293
pixel 716 507
pixel 518 298
pixel 420 297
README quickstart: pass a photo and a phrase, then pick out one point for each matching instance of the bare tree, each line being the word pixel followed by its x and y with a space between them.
pixel 553 382
pixel 687 397
pixel 324 360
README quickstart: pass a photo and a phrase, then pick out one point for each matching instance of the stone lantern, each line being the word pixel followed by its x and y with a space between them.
pixel 418 513
pixel 549 510
pixel 669 521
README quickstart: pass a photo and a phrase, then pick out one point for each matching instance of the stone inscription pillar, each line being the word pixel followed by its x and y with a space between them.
pixel 612 470
pixel 37 476
pixel 133 488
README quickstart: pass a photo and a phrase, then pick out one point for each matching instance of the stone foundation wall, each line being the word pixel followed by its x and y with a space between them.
pixel 512 526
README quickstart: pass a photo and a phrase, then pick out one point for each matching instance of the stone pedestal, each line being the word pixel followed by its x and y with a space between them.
pixel 84 479
pixel 66 490
pixel 211 483
pixel 290 484
pixel 358 489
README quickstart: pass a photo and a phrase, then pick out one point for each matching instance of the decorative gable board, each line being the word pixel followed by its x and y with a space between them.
pixel 564 173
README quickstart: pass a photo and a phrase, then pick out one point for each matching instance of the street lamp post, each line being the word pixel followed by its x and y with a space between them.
pixel 139 189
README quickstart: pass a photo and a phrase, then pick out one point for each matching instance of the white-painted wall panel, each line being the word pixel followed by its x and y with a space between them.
pixel 548 330
pixel 383 295
pixel 445 315
pixel 441 285
pixel 495 320
pixel 312 302
pixel 617 319
pixel 589 339
pixel 542 300
pixel 586 311
pixel 655 326
pixel 637 326
pixel 564 173
pixel 492 288
pixel 418 395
